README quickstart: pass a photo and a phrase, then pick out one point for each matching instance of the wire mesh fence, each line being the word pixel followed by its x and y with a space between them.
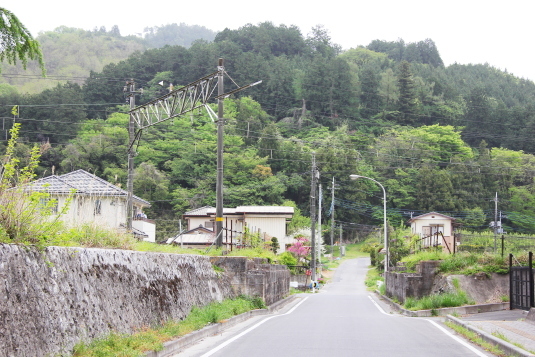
pixel 489 243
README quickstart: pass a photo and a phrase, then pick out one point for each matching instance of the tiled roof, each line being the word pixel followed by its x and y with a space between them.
pixel 265 209
pixel 209 210
pixel 202 211
pixel 225 210
pixel 431 214
pixel 84 183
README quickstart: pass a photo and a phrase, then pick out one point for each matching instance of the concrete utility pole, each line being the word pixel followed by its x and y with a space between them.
pixel 332 220
pixel 341 242
pixel 495 221
pixel 219 182
pixel 314 173
pixel 185 99
pixel 130 88
pixel 318 244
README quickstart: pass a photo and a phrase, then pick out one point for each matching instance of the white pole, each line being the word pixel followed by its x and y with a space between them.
pixel 355 177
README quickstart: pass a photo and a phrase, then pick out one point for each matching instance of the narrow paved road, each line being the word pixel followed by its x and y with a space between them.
pixel 342 320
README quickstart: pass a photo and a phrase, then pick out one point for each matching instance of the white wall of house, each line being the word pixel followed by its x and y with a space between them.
pixel 429 225
pixel 147 227
pixel 418 225
pixel 104 211
pixel 268 226
pixel 107 211
pixel 205 221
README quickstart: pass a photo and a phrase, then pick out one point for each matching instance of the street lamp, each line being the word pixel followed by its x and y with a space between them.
pixel 356 177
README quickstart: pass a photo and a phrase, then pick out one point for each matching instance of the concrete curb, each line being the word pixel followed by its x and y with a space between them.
pixel 175 346
pixel 461 310
pixel 507 347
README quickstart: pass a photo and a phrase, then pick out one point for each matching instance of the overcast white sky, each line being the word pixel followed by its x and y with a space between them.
pixel 465 31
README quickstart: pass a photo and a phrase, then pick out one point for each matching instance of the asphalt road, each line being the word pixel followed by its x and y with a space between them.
pixel 343 319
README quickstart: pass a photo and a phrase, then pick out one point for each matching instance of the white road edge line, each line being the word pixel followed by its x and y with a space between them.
pixel 459 340
pixel 228 342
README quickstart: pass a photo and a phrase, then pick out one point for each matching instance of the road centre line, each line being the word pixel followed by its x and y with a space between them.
pixel 228 342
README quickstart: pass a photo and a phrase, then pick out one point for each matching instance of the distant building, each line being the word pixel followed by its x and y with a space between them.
pixel 96 201
pixel 434 229
pixel 267 221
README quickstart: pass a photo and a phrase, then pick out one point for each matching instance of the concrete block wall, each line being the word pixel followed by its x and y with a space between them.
pixel 254 277
pixel 417 285
pixel 52 299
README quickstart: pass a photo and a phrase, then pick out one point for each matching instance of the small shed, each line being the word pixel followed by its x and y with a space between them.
pixel 434 229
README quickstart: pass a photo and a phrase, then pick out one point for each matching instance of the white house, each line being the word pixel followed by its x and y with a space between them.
pixel 267 221
pixel 95 201
pixel 434 229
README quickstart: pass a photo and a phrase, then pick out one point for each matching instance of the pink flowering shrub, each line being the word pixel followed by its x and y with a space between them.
pixel 300 248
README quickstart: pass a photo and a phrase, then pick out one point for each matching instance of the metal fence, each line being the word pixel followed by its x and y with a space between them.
pixel 504 244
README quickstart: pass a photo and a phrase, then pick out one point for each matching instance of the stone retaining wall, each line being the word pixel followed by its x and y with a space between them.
pixel 255 278
pixel 52 299
pixel 482 288
pixel 417 285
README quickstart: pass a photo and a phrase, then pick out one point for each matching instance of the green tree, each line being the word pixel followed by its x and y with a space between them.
pixel 434 190
pixel 407 102
pixel 473 219
pixel 17 42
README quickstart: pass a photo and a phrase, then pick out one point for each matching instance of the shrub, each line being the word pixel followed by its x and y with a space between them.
pixel 26 216
pixel 94 236
pixel 287 258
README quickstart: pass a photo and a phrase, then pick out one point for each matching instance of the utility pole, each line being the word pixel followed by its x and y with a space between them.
pixel 313 218
pixel 318 245
pixel 130 88
pixel 340 241
pixel 332 220
pixel 219 182
pixel 495 220
pixel 183 100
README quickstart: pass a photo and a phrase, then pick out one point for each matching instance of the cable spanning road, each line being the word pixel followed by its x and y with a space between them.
pixel 342 320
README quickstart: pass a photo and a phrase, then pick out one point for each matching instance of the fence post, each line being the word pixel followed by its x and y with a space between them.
pixel 531 297
pixel 510 281
pixel 503 240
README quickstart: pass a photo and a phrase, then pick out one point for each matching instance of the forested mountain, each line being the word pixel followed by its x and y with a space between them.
pixel 71 53
pixel 439 138
pixel 176 35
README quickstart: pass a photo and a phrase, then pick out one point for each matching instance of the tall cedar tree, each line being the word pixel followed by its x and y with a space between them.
pixel 407 102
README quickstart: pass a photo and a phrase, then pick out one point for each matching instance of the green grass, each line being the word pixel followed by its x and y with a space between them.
pixel 437 301
pixel 413 259
pixel 372 276
pixel 475 338
pixel 93 236
pixel 460 263
pixel 152 339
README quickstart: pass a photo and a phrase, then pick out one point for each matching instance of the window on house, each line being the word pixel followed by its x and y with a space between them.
pixel 49 205
pixel 209 224
pixel 98 207
pixel 435 228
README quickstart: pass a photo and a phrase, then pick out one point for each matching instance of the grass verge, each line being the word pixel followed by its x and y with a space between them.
pixel 152 339
pixel 372 277
pixel 436 301
pixel 472 336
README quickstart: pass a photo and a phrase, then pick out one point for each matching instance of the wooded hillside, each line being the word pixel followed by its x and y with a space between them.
pixel 439 138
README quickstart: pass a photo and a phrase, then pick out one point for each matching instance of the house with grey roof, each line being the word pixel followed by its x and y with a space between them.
pixel 267 221
pixel 95 200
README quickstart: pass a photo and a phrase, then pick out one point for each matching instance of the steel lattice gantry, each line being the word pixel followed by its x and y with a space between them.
pixel 175 103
